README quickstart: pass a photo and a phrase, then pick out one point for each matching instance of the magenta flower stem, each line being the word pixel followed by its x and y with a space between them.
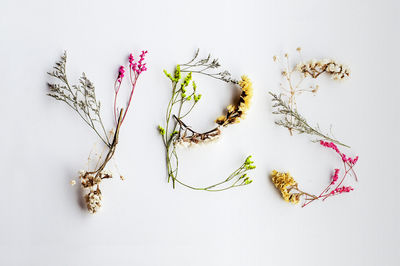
pixel 133 82
pixel 137 68
pixel 348 165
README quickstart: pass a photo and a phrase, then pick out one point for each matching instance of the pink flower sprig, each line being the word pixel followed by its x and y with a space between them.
pixel 121 74
pixel 141 66
pixel 340 190
pixel 131 61
pixel 135 69
pixel 331 189
pixel 335 176
pixel 345 159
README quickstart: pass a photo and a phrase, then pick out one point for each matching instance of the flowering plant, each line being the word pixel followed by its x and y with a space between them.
pixel 82 99
pixel 285 105
pixel 177 133
pixel 291 192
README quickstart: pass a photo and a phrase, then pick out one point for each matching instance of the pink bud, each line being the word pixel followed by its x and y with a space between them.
pixel 121 73
pixel 131 60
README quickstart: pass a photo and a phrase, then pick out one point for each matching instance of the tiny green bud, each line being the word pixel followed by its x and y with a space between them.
pixel 174 133
pixel 188 78
pixel 178 72
pixel 168 75
pixel 194 85
pixel 248 160
pixel 161 130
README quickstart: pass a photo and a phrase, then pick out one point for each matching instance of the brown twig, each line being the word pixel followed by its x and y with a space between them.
pixel 195 136
pixel 113 146
pixel 302 192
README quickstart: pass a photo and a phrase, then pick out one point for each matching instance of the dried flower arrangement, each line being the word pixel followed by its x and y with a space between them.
pixel 285 102
pixel 81 98
pixel 285 105
pixel 178 133
pixel 291 192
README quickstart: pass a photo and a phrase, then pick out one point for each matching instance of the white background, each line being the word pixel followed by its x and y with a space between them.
pixel 144 221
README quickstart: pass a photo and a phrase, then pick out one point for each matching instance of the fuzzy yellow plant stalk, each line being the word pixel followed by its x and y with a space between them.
pixel 285 183
pixel 184 98
pixel 238 111
pixel 81 98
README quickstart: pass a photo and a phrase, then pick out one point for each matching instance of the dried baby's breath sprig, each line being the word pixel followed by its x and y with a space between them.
pixel 285 102
pixel 82 99
pixel 183 100
pixel 314 68
pixel 91 181
pixel 93 200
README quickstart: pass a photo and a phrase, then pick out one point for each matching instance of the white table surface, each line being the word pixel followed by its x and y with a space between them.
pixel 144 221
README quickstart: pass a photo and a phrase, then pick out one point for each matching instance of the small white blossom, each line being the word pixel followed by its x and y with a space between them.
pixel 93 201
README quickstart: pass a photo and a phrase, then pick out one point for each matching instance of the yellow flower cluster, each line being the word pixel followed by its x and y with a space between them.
pixel 246 95
pixel 285 182
pixel 239 110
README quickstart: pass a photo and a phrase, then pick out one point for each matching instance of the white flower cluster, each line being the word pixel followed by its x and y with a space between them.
pixel 198 140
pixel 93 200
pixel 187 143
pixel 90 180
pixel 315 67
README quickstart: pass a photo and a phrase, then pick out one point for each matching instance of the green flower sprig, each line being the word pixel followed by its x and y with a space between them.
pixel 183 100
